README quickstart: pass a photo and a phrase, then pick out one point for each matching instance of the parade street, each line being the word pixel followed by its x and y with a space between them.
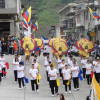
pixel 10 89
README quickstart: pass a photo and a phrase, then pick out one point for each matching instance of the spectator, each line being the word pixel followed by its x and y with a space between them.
pixel 61 96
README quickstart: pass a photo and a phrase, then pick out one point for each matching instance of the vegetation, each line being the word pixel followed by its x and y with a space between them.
pixel 47 13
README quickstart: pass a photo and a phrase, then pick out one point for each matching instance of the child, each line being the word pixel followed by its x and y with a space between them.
pixel 70 61
pixel 88 72
pixel 35 57
pixel 75 72
pixel 20 75
pixel 67 77
pixel 2 60
pixel 15 63
pixel 83 63
pixel 59 65
pixel 19 57
pixel 33 77
pixel 53 74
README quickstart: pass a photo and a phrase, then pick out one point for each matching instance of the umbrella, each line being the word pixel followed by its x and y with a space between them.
pixel 30 42
pixel 39 43
pixel 89 45
pixel 79 42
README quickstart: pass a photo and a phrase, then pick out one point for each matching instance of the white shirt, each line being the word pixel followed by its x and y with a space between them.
pixel 70 63
pixel 20 58
pixel 62 65
pixel 59 65
pixel 83 61
pixel 15 66
pixel 97 68
pixel 53 72
pixel 0 67
pixel 46 63
pixel 94 67
pixel 88 66
pixel 67 73
pixel 47 68
pixel 21 73
pixel 37 60
pixel 2 60
pixel 75 73
pixel 36 65
pixel 33 72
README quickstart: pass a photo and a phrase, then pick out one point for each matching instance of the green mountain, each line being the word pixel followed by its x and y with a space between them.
pixel 46 12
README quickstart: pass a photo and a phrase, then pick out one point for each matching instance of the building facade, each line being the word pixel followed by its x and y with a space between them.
pixel 77 17
pixel 9 17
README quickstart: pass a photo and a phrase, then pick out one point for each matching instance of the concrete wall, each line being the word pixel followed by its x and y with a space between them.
pixel 10 7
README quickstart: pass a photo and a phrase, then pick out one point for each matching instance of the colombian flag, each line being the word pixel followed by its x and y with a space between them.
pixel 25 23
pixel 27 16
pixel 94 15
pixel 35 26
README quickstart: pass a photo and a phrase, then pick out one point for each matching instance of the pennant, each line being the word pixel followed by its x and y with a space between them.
pixel 39 65
pixel 68 82
pixel 80 77
pixel 7 65
pixel 35 26
pixel 23 63
pixel 53 64
pixel 4 72
pixel 80 71
pixel 92 74
pixel 58 82
pixel 26 80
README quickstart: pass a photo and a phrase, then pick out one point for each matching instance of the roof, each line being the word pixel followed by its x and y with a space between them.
pixel 68 5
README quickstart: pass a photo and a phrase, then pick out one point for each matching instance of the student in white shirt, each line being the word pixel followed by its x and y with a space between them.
pixel 15 63
pixel 36 64
pixel 1 72
pixel 46 64
pixel 59 65
pixel 3 61
pixel 83 63
pixel 53 74
pixel 33 77
pixel 97 69
pixel 67 78
pixel 35 57
pixel 89 68
pixel 19 57
pixel 70 61
pixel 95 62
pixel 75 72
pixel 20 75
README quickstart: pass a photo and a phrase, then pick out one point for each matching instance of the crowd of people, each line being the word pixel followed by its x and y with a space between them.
pixel 65 71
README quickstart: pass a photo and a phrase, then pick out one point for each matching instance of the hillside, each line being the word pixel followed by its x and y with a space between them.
pixel 47 13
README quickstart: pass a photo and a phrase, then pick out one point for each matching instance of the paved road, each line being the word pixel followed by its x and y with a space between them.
pixel 9 90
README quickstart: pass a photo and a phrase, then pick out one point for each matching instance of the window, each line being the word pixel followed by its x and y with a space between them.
pixel 2 3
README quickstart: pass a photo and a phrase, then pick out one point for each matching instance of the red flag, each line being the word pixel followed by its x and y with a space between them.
pixel 92 74
pixel 7 65
pixel 4 72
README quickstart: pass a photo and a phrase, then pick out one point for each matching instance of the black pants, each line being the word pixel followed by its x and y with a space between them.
pixel 60 70
pixel 65 83
pixel 3 69
pixel 47 76
pixel 0 76
pixel 34 82
pixel 21 80
pixel 84 72
pixel 97 77
pixel 53 85
pixel 89 79
pixel 76 82
pixel 15 75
